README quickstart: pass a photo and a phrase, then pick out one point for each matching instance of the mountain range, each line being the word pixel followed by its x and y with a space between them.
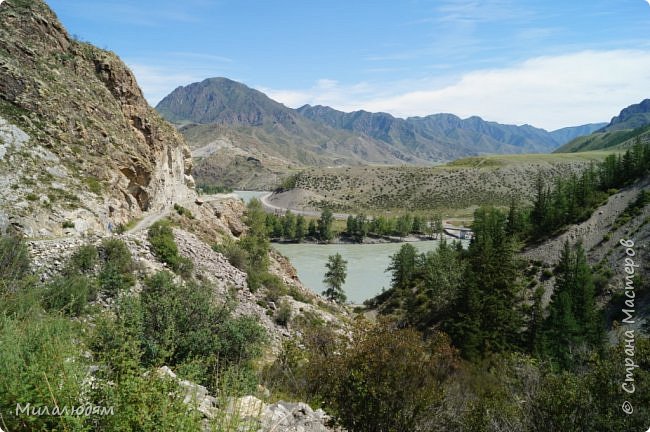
pixel 233 129
pixel 630 125
pixel 435 136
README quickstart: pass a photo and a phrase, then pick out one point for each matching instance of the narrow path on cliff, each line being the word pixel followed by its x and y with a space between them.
pixel 152 218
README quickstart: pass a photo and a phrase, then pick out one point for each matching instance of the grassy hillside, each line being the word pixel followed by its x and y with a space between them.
pixel 632 124
pixel 454 189
pixel 607 140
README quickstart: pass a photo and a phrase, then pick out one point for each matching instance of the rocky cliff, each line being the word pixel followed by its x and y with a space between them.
pixel 90 149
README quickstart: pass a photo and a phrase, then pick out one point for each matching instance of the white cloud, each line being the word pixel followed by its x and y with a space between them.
pixel 158 82
pixel 158 78
pixel 550 92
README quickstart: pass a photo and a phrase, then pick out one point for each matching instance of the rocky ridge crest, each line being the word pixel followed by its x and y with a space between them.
pixel 90 149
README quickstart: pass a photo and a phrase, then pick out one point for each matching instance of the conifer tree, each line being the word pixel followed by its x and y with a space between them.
pixel 539 214
pixel 403 266
pixel 573 323
pixel 488 317
pixel 335 278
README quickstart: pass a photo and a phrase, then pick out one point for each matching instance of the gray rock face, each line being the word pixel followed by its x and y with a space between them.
pixel 77 125
pixel 10 135
pixel 293 417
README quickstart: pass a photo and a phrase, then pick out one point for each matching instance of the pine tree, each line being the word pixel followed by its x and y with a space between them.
pixel 351 226
pixel 563 332
pixel 403 267
pixel 535 321
pixel 256 242
pixel 439 282
pixel 488 317
pixel 417 225
pixel 335 278
pixel 539 213
pixel 516 220
pixel 585 300
pixel 573 322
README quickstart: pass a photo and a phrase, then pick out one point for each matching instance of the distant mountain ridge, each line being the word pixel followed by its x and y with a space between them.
pixel 632 117
pixel 564 135
pixel 425 135
pixel 631 124
pixel 222 101
pixel 225 111
pixel 267 126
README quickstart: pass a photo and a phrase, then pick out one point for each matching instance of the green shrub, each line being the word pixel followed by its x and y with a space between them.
pixel 161 238
pixel 31 197
pixel 14 262
pixel 287 183
pixel 67 224
pixel 41 363
pixel 181 323
pixel 182 211
pixel 144 401
pixel 234 253
pixel 141 400
pixel 212 189
pixel 116 339
pixel 112 280
pixel 26 296
pixel 116 252
pixel 94 185
pixel 84 260
pixel 383 379
pixel 241 339
pixel 274 285
pixel 283 314
pixel 162 241
pixel 298 295
pixel 117 269
pixel 69 294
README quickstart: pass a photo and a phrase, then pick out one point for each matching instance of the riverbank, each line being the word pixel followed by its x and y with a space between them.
pixel 281 206
pixel 369 240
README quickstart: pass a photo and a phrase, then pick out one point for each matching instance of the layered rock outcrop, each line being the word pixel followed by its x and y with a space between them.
pixel 91 150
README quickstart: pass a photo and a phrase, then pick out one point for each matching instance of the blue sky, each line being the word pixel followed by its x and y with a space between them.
pixel 550 64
